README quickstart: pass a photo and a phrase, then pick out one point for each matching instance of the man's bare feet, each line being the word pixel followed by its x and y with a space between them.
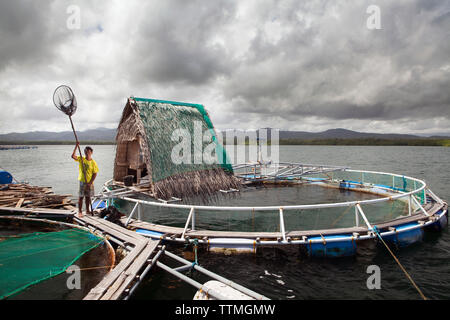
pixel 80 215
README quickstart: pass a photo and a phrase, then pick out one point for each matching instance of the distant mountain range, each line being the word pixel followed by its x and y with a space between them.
pixel 108 135
pixel 101 135
pixel 340 134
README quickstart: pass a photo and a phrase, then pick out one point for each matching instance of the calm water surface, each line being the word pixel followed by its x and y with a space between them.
pixel 285 273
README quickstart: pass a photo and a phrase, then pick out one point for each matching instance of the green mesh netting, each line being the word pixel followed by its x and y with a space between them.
pixel 31 258
pixel 161 119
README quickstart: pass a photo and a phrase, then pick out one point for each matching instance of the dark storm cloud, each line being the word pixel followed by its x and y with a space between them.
pixel 289 62
pixel 296 77
pixel 176 42
pixel 26 35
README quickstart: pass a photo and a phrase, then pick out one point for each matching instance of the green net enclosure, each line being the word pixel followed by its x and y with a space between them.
pixel 175 145
pixel 31 258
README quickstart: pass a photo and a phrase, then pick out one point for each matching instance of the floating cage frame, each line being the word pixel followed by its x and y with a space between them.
pixel 426 211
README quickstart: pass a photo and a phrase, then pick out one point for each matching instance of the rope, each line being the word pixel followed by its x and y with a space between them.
pixel 93 268
pixel 195 253
pixel 375 229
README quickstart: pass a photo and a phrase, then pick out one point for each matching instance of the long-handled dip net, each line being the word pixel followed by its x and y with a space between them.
pixel 64 99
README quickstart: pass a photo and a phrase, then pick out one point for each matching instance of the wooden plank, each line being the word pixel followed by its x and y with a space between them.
pixel 105 228
pixel 97 292
pixel 19 203
pixel 109 293
pixel 231 234
pixel 7 197
pixel 37 211
pixel 420 216
pixel 155 227
pixel 116 227
pixel 137 265
pixel 54 205
pixel 123 230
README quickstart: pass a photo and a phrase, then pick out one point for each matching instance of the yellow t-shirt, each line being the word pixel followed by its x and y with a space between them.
pixel 90 166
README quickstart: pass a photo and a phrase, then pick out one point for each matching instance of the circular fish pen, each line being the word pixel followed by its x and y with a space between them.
pixel 325 210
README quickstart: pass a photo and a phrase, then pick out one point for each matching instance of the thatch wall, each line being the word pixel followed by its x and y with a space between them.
pixel 130 129
pixel 150 124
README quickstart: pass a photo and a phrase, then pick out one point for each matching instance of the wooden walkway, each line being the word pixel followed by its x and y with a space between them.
pixel 57 214
pixel 117 283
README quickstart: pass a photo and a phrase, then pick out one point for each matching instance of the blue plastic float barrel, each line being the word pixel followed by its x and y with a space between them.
pixel 405 238
pixel 439 224
pixel 5 177
pixel 335 249
pixel 347 184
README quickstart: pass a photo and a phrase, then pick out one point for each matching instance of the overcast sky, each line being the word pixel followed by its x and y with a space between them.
pixel 298 65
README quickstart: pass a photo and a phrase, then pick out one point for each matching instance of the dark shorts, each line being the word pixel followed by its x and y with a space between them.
pixel 85 191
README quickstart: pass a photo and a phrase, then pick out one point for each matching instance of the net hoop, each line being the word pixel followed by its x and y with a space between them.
pixel 65 100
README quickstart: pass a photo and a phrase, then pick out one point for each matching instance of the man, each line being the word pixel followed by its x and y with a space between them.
pixel 86 183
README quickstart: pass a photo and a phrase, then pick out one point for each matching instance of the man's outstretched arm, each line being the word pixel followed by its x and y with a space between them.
pixel 74 156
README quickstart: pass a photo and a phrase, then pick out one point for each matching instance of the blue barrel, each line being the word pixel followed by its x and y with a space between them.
pixel 439 224
pixel 5 177
pixel 405 238
pixel 325 249
pixel 344 185
pixel 348 184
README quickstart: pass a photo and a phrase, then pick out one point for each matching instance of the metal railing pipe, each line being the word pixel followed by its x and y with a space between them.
pixel 283 230
pixel 131 214
pixel 232 284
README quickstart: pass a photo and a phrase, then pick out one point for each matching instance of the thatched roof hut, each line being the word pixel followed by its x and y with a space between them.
pixel 147 139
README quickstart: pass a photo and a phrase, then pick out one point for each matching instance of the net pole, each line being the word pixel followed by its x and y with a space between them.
pixel 81 158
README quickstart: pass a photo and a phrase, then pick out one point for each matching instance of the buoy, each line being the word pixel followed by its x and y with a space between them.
pixel 405 238
pixel 334 249
pixel 219 287
pixel 5 177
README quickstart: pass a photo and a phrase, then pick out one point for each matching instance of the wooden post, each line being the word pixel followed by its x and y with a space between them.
pixel 138 176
